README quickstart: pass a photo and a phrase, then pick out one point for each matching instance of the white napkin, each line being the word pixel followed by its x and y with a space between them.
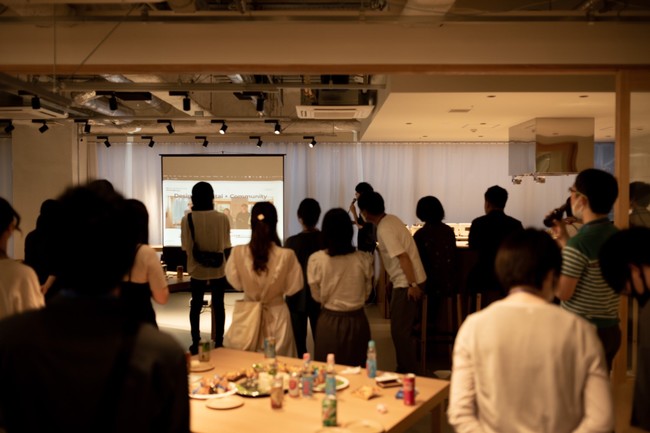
pixel 351 370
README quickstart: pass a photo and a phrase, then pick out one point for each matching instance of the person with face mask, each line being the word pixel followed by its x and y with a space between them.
pixel 581 287
pixel 625 261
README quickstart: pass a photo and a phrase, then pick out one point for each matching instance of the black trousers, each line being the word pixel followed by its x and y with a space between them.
pixel 216 287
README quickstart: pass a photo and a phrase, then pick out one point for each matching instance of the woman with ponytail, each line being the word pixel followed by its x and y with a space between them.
pixel 266 272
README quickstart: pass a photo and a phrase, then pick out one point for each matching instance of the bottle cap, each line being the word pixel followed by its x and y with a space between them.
pixel 371 343
pixel 330 358
pixel 306 356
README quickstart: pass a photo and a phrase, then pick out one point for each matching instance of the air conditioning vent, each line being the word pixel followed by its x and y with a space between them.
pixel 334 112
pixel 27 113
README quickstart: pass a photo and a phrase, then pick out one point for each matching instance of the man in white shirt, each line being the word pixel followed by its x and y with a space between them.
pixel 402 262
pixel 523 364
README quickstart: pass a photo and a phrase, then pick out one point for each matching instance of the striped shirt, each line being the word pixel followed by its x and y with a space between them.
pixel 593 299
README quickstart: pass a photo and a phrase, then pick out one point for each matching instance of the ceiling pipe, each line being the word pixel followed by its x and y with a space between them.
pixel 155 103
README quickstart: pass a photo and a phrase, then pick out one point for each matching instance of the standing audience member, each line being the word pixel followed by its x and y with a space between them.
pixel 41 252
pixel 625 261
pixel 367 232
pixel 96 369
pixel 19 287
pixel 302 305
pixel 266 272
pixel 581 287
pixel 210 231
pixel 341 279
pixel 639 201
pixel 485 235
pixel 436 244
pixel 145 279
pixel 402 262
pixel 523 364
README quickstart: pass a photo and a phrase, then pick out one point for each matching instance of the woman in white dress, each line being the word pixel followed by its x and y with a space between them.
pixel 266 272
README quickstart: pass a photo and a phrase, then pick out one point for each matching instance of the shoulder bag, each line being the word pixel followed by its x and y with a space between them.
pixel 209 259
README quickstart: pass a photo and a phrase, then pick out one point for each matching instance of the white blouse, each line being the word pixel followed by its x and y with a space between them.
pixel 340 283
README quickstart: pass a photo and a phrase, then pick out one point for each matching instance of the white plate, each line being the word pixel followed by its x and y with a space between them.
pixel 365 426
pixel 228 402
pixel 232 389
pixel 341 383
pixel 198 367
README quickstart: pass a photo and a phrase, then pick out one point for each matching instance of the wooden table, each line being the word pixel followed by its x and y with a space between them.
pixel 304 414
pixel 176 285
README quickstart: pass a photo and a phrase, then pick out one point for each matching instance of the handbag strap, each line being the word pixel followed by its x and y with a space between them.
pixel 191 224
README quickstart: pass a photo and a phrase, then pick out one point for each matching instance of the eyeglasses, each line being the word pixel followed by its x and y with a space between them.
pixel 573 190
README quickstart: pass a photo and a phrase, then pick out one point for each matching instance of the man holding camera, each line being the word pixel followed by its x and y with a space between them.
pixel 581 287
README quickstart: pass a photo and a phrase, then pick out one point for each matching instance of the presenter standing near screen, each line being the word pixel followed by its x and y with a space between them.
pixel 211 233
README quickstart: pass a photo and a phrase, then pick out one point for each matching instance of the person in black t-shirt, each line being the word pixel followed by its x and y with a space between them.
pixel 367 232
pixel 301 305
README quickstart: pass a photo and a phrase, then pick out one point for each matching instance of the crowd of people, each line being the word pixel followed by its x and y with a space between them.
pixel 520 362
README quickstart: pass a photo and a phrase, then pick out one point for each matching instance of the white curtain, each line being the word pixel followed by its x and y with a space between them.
pixel 457 173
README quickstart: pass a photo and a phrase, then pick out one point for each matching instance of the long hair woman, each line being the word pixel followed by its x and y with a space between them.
pixel 340 278
pixel 266 272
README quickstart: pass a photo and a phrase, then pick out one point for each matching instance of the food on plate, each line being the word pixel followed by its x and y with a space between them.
pixel 366 392
pixel 214 384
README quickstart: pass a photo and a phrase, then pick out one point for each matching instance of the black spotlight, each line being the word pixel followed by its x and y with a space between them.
pixel 112 103
pixel 170 127
pixel 187 103
pixel 105 138
pixel 259 104
pixel 36 103
pixel 258 138
pixel 223 128
pixel 312 143
pixel 43 127
pixel 10 127
pixel 150 138
pixel 204 138
pixel 278 128
pixel 86 125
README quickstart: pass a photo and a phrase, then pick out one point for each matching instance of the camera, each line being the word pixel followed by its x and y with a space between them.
pixel 556 215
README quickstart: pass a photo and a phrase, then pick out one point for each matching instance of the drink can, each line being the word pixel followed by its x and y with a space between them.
pixel 330 384
pixel 277 394
pixel 307 381
pixel 294 389
pixel 204 351
pixel 408 383
pixel 329 411
pixel 269 347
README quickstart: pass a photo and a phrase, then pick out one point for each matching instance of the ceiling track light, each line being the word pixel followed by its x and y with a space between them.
pixel 204 138
pixel 278 128
pixel 87 125
pixel 43 126
pixel 259 105
pixel 187 102
pixel 10 126
pixel 170 127
pixel 313 142
pixel 223 128
pixel 112 102
pixel 105 138
pixel 150 138
pixel 258 138
pixel 36 103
